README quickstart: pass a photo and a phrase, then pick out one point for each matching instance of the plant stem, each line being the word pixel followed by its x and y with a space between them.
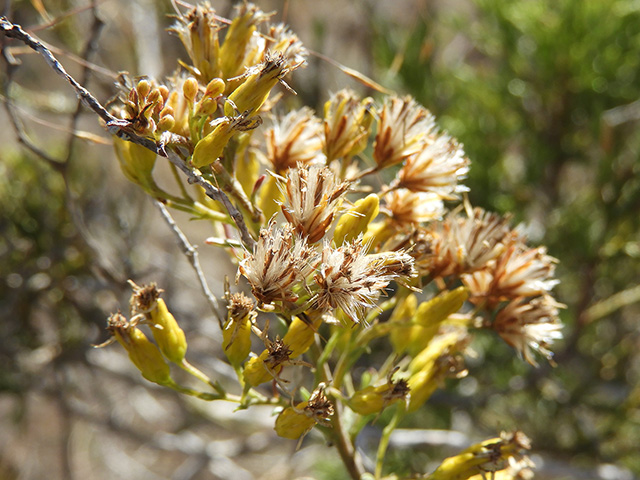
pixel 386 436
pixel 350 457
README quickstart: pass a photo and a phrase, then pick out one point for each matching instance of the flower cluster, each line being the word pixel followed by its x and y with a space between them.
pixel 346 231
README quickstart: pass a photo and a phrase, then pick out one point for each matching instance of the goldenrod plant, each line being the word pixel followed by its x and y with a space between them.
pixel 351 232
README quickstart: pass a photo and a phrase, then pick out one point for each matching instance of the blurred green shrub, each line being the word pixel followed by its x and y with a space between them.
pixel 45 297
pixel 545 96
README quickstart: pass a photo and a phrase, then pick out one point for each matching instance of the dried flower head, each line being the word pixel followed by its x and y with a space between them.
pixel 351 280
pixel 319 407
pixel 374 399
pixel 347 122
pixel 198 32
pixel 280 261
pixel 281 39
pixel 295 139
pixel 239 305
pixel 530 325
pixel 404 127
pixel 489 456
pixel 437 168
pixel 296 421
pixel 407 209
pixel 144 298
pixel 312 198
pixel 517 272
pixel 461 244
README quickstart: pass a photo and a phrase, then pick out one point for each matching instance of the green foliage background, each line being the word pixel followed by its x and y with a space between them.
pixel 545 96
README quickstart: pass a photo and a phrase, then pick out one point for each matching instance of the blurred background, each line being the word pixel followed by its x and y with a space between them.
pixel 545 96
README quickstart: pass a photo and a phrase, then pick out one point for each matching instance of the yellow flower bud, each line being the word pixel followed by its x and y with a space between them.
pixel 414 335
pixel 373 399
pixel 169 336
pixel 422 385
pixel 206 106
pixel 440 359
pixel 437 347
pixel 356 220
pixel 293 423
pixel 210 148
pixel 441 307
pixel 403 333
pixel 253 92
pixel 236 333
pixel 238 38
pixel 300 335
pixel 215 88
pixel 365 120
pixel 257 372
pixel 142 353
pixel 166 123
pixel 247 170
pixel 136 163
pixel 489 456
pixel 190 89
pixel 143 88
pixel 377 233
pixel 270 196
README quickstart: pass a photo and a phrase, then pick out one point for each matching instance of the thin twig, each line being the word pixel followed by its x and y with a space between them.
pixel 194 176
pixel 12 30
pixel 192 255
pixel 90 48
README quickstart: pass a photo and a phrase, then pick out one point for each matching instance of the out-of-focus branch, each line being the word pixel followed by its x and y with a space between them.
pixel 192 255
pixel 12 30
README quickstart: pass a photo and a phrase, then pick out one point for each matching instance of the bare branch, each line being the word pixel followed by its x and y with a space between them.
pixel 192 255
pixel 194 176
pixel 12 30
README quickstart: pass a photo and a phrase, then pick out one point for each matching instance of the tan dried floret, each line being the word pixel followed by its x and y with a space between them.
pixel 518 272
pixel 312 198
pixel 294 139
pixel 281 39
pixel 437 168
pixel 406 208
pixel 404 129
pixel 461 244
pixel 530 325
pixel 279 262
pixel 351 280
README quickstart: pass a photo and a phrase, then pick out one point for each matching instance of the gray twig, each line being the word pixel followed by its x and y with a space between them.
pixel 194 176
pixel 192 255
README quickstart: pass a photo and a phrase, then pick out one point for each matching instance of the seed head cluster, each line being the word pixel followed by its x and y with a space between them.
pixel 355 215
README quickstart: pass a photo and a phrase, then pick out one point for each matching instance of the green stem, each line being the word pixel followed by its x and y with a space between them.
pixel 386 436
pixel 186 366
pixel 178 179
pixel 338 433
pixel 195 393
